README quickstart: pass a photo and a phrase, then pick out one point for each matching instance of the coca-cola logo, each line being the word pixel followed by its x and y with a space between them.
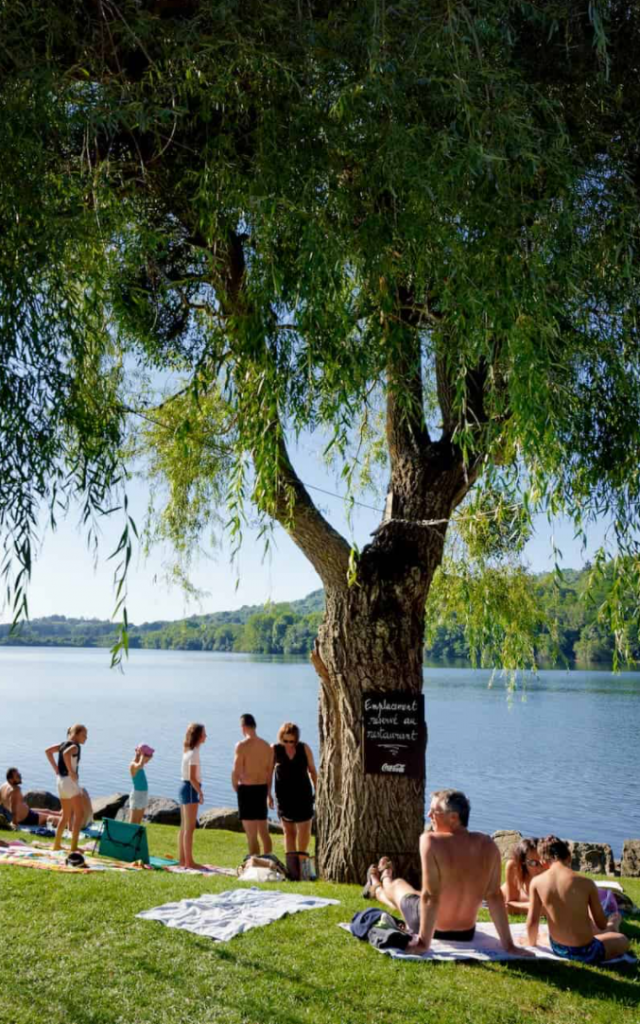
pixel 398 768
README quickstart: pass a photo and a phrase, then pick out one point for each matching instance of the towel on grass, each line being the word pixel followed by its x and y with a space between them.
pixel 486 946
pixel 228 914
pixel 206 869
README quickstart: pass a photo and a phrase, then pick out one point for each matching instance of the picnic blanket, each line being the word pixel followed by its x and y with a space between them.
pixel 54 860
pixel 486 946
pixel 228 914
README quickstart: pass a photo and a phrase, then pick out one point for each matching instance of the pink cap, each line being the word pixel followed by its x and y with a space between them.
pixel 144 748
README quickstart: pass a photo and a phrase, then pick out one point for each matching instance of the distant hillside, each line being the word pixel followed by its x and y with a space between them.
pixel 291 628
pixel 214 631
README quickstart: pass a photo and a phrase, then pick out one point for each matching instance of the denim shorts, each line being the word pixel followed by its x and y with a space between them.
pixel 188 794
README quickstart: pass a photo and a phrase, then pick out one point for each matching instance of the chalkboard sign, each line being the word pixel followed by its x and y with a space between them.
pixel 394 733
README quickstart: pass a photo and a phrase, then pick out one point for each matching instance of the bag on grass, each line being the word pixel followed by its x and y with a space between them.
pixel 124 841
pixel 388 938
pixel 300 867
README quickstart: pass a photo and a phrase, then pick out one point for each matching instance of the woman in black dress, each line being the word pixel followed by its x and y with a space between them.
pixel 294 774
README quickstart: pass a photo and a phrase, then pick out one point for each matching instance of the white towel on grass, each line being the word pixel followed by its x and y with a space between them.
pixel 485 946
pixel 227 914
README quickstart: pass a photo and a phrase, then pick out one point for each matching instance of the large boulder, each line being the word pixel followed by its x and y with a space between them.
pixel 160 811
pixel 43 799
pixel 505 840
pixel 108 806
pixel 596 858
pixel 227 818
pixel 630 863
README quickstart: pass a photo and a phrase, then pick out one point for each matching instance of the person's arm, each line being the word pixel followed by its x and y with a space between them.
pixel 237 767
pixel 68 754
pixel 14 802
pixel 195 781
pixel 429 896
pixel 50 751
pixel 495 904
pixel 533 917
pixel 512 892
pixel 599 917
pixel 311 767
pixel 270 781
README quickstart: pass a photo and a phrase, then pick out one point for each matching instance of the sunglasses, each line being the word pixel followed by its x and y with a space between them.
pixel 289 743
pixel 533 863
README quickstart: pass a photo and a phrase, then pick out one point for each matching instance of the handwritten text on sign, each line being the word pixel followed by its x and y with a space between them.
pixel 394 734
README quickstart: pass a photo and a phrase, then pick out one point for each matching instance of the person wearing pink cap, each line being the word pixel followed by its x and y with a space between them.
pixel 139 796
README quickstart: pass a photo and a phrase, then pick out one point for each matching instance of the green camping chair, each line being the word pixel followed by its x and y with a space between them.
pixel 123 841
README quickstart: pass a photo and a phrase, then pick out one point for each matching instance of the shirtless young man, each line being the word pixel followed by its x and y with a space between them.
pixel 571 906
pixel 12 800
pixel 251 779
pixel 460 869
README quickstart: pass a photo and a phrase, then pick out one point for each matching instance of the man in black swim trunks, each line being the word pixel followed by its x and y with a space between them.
pixel 459 870
pixel 251 776
pixel 13 801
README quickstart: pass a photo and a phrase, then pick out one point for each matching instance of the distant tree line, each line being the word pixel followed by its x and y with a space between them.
pixel 573 630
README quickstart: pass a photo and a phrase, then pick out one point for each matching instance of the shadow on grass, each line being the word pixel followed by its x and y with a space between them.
pixel 620 982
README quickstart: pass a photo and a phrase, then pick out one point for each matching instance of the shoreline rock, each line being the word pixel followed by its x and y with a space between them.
pixel 591 858
pixel 43 799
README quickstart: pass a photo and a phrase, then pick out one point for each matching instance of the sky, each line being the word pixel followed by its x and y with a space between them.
pixel 66 581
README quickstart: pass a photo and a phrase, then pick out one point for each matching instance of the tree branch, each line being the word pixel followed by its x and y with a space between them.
pixel 291 506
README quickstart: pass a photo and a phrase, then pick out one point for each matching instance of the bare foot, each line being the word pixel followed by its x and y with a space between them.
pixel 385 867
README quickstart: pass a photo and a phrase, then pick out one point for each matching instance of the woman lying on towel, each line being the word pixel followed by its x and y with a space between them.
pixel 523 866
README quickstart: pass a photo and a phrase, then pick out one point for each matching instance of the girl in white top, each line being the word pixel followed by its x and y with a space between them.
pixel 191 792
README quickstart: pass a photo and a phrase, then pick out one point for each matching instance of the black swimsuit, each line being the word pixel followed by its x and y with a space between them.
pixel 294 792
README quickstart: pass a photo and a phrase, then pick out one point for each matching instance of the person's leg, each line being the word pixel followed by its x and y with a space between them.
pixel 65 818
pixel 136 814
pixel 191 820
pixel 615 943
pixel 391 890
pixel 78 815
pixel 44 816
pixel 290 837
pixel 303 835
pixel 251 832
pixel 181 833
pixel 265 836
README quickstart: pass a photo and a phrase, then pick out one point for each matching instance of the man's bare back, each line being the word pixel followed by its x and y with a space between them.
pixel 459 867
pixel 254 762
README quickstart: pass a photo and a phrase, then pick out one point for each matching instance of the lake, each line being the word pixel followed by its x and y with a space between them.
pixel 560 756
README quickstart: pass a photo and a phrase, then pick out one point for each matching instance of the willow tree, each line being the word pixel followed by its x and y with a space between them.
pixel 309 214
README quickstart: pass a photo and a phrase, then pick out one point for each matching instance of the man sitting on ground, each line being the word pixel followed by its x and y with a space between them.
pixel 13 802
pixel 460 869
pixel 251 776
pixel 571 906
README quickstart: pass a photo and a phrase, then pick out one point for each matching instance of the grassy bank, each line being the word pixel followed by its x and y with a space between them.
pixel 73 952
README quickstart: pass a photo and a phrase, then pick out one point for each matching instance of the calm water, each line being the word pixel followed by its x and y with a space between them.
pixel 562 757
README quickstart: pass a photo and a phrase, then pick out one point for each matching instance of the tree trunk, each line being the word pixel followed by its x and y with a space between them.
pixel 371 638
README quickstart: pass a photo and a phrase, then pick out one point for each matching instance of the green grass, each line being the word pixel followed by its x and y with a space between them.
pixel 73 952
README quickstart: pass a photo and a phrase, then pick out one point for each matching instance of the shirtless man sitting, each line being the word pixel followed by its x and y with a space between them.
pixel 572 908
pixel 460 869
pixel 250 778
pixel 13 801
